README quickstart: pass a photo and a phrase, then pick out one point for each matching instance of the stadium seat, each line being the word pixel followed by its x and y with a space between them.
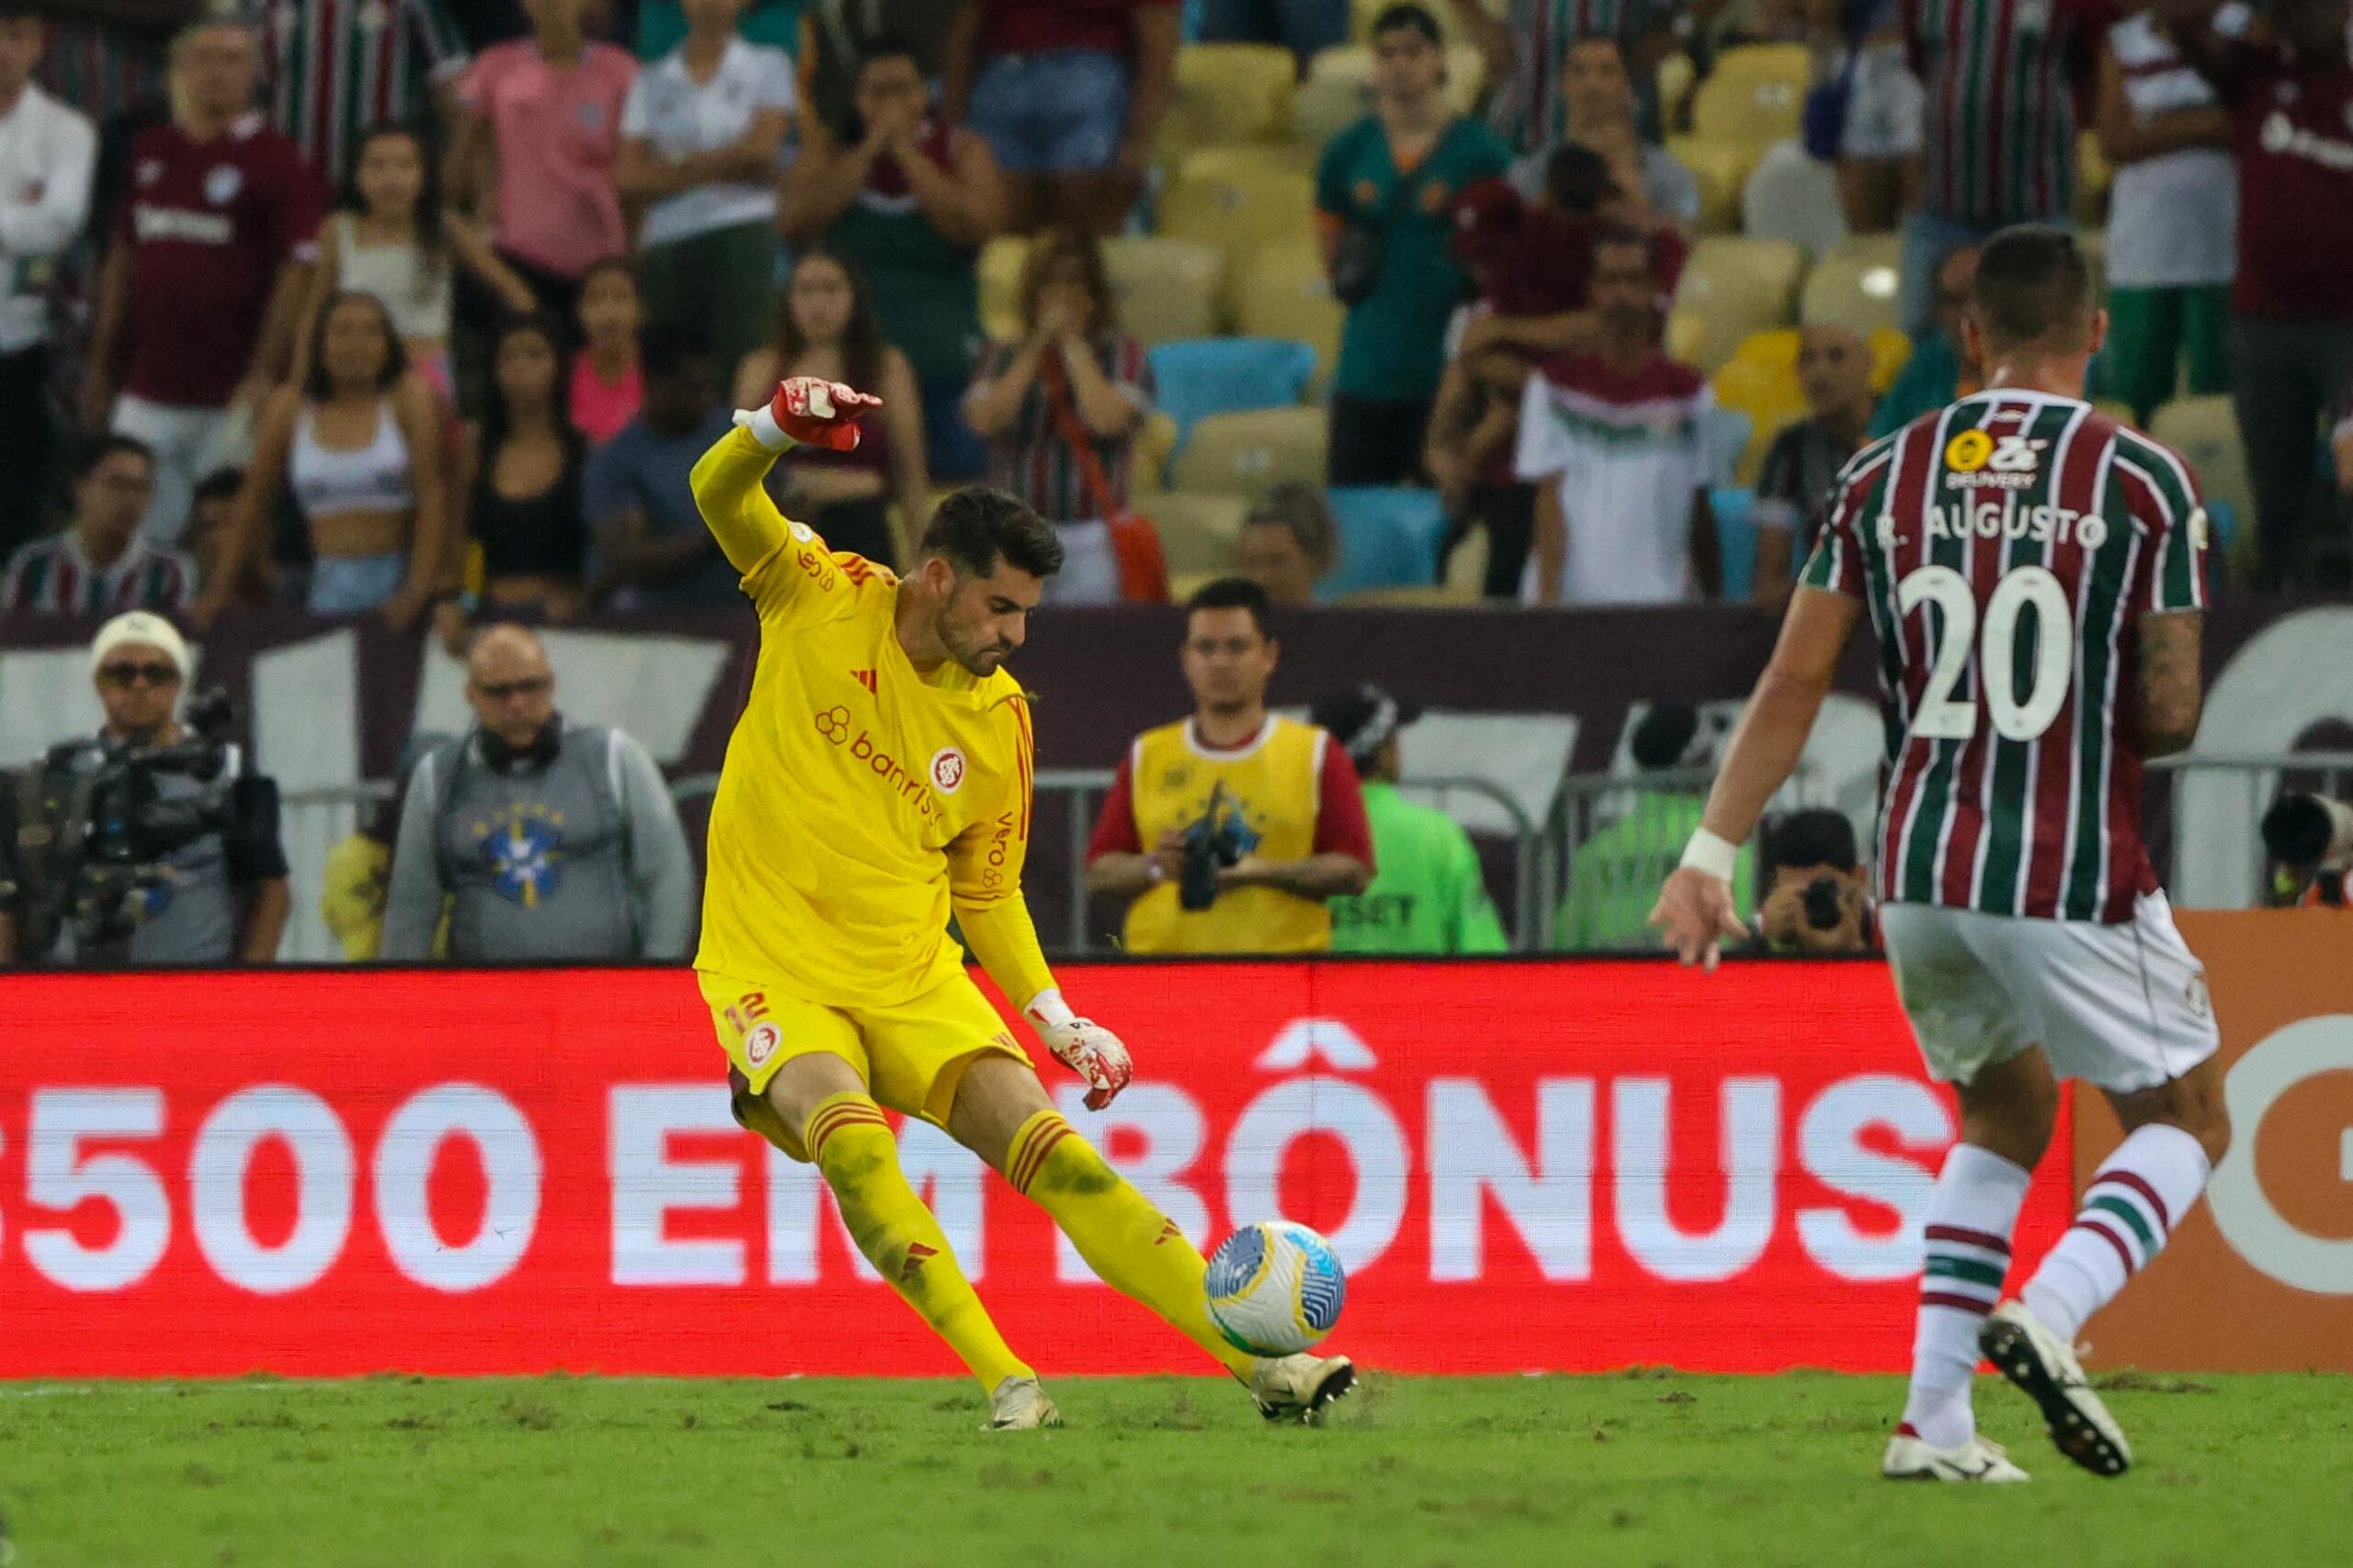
pixel 1325 106
pixel 1722 170
pixel 1001 262
pixel 1155 444
pixel 1466 568
pixel 1891 351
pixel 1249 158
pixel 2120 412
pixel 1248 454
pixel 1388 538
pixel 1283 293
pixel 1197 530
pixel 1166 287
pixel 1183 586
pixel 1761 380
pixel 1756 93
pixel 1227 93
pixel 1793 197
pixel 1854 284
pixel 1675 78
pixel 1466 71
pixel 2205 431
pixel 1735 514
pixel 1735 287
pixel 2092 178
pixel 1240 212
pixel 1195 377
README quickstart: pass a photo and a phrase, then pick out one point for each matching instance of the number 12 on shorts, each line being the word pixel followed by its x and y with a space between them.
pixel 746 1010
pixel 2021 588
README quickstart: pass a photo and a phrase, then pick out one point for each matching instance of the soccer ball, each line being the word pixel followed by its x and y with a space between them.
pixel 1274 1287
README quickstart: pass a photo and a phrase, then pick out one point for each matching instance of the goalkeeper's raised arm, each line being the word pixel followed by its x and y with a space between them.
pixel 728 483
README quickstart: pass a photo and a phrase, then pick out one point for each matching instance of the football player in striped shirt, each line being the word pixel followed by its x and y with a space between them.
pixel 2035 572
pixel 878 781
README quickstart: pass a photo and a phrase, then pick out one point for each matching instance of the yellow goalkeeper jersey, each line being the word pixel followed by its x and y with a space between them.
pixel 861 802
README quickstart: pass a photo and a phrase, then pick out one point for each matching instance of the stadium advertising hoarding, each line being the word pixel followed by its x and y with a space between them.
pixel 1567 1165
pixel 2259 1277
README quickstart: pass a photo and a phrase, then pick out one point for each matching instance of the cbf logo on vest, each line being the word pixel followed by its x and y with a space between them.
pixel 525 854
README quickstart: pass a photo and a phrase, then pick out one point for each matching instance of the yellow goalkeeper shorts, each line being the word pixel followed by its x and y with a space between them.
pixel 911 1057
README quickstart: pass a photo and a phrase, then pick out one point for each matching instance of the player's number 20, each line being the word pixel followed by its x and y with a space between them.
pixel 2020 589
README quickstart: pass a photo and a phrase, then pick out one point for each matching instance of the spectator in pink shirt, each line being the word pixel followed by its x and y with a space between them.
pixel 607 385
pixel 537 136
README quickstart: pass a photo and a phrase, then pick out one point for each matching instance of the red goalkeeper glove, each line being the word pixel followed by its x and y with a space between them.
pixel 812 412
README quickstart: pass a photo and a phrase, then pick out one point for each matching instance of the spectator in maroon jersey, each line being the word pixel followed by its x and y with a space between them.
pixel 97 564
pixel 1070 95
pixel 2289 91
pixel 211 256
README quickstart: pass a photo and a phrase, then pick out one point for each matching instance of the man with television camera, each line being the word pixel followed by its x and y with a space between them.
pixel 149 842
pixel 1231 829
pixel 1813 891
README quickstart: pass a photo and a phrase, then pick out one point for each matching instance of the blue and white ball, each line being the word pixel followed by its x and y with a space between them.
pixel 1274 1287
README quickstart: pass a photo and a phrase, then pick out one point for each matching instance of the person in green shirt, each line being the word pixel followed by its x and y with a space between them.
pixel 1614 876
pixel 1427 894
pixel 1384 199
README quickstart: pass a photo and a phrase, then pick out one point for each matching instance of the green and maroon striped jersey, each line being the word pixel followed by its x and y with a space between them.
pixel 2001 78
pixel 2006 548
pixel 1528 111
pixel 340 67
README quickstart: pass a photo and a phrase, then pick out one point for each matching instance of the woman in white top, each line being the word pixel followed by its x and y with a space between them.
pixel 700 136
pixel 390 236
pixel 359 445
pixel 2171 219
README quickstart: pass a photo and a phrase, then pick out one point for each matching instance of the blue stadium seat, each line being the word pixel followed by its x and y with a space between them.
pixel 1201 376
pixel 1388 538
pixel 1735 511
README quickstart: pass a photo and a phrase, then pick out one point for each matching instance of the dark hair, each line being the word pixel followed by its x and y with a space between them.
pixel 2033 285
pixel 619 264
pixel 319 386
pixel 1060 243
pixel 1300 508
pixel 497 419
pixel 1815 836
pixel 1230 593
pixel 666 350
pixel 862 343
pixel 432 232
pixel 977 527
pixel 221 484
pixel 98 449
pixel 1407 18
pixel 1664 735
pixel 889 46
pixel 1577 178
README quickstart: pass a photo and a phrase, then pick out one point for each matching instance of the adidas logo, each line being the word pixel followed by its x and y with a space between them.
pixel 917 1253
pixel 866 679
pixel 1167 1229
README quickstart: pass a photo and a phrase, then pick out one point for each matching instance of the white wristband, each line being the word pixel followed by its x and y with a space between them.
pixel 761 423
pixel 1717 857
pixel 1048 1010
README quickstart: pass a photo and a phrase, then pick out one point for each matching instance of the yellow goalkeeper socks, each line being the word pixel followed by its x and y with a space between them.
pixel 852 1148
pixel 1133 1246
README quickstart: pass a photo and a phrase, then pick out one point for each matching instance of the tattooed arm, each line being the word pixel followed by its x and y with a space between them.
pixel 2171 692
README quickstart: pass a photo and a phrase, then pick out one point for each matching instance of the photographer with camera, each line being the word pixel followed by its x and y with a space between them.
pixel 1230 829
pixel 148 844
pixel 1816 890
pixel 2309 839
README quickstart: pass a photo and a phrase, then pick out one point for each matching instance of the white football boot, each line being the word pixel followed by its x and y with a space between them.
pixel 2045 1368
pixel 1018 1404
pixel 1909 1458
pixel 1299 1388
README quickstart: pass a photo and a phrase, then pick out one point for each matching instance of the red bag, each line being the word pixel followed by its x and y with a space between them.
pixel 1144 567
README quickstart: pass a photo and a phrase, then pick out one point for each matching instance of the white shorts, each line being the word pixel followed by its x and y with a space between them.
pixel 2122 1007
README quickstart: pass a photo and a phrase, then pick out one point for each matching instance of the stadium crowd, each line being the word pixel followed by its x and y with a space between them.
pixel 424 311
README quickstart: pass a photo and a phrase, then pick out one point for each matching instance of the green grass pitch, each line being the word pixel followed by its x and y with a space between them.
pixel 1634 1468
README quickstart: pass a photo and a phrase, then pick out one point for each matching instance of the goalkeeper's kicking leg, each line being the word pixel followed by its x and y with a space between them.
pixel 1001 1113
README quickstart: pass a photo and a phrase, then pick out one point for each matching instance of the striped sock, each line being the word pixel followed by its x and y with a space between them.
pixel 852 1147
pixel 1967 1241
pixel 2134 1201
pixel 1132 1246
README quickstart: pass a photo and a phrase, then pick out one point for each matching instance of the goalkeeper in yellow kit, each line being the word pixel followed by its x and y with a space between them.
pixel 878 781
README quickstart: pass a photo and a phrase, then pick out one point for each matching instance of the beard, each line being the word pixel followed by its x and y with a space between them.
pixel 977 656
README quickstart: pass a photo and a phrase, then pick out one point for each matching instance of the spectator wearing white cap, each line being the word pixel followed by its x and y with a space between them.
pixel 223 898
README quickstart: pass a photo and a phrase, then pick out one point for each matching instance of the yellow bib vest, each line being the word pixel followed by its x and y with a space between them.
pixel 1272 785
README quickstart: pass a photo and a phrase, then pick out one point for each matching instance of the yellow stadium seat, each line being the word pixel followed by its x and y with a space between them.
pixel 2120 412
pixel 1325 106
pixel 1686 335
pixel 1761 380
pixel 1854 283
pixel 1283 293
pixel 1891 351
pixel 1675 77
pixel 1466 569
pixel 1756 93
pixel 1240 213
pixel 1227 93
pixel 1001 261
pixel 1255 158
pixel 1247 454
pixel 1165 288
pixel 1197 530
pixel 1736 286
pixel 1721 169
pixel 1155 443
pixel 1466 72
pixel 2205 433
pixel 2092 179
